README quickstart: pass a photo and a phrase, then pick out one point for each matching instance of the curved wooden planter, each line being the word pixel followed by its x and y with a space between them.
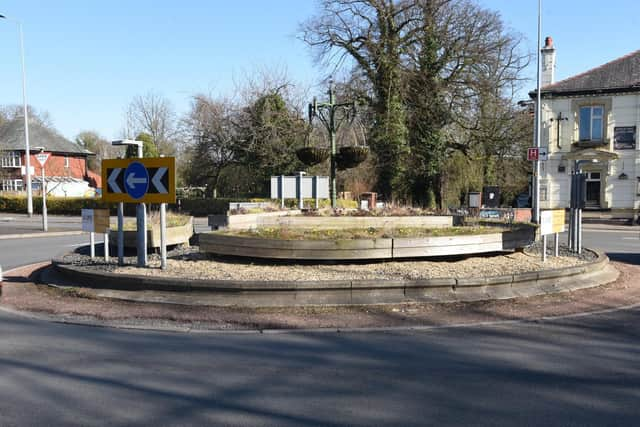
pixel 392 248
pixel 175 236
pixel 293 219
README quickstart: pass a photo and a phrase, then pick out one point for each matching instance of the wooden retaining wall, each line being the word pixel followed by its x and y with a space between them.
pixel 217 243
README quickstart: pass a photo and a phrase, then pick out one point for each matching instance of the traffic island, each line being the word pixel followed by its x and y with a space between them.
pixel 66 302
pixel 194 279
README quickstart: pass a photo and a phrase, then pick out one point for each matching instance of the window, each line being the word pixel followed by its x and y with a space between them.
pixel 11 159
pixel 11 185
pixel 66 162
pixel 591 123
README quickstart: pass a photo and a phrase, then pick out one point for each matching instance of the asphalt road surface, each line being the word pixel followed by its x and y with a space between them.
pixel 579 371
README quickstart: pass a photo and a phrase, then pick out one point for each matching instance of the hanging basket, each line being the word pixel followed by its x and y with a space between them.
pixel 350 157
pixel 312 155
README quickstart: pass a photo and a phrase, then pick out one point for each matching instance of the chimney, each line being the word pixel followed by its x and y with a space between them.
pixel 548 62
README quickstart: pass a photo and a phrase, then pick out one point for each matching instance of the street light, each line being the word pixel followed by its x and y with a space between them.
pixel 326 112
pixel 141 216
pixel 26 117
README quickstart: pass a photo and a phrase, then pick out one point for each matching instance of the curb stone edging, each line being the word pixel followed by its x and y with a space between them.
pixel 346 292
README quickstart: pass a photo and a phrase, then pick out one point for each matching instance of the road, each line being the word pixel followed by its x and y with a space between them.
pixel 576 372
pixel 581 371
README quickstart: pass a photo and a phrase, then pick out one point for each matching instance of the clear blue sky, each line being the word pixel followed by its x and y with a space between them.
pixel 87 59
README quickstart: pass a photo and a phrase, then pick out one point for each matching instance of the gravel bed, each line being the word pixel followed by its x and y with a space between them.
pixel 189 263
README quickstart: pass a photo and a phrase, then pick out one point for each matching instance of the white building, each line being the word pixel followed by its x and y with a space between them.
pixel 591 121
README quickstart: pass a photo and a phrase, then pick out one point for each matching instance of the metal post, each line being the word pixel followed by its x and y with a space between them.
pixel 538 121
pixel 579 231
pixel 332 136
pixel 300 199
pixel 45 224
pixel 281 191
pixel 92 244
pixel 120 233
pixel 163 236
pixel 556 245
pixel 106 246
pixel 141 219
pixel 544 248
pixel 26 125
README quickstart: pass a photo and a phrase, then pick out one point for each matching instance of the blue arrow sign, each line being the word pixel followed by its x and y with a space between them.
pixel 136 180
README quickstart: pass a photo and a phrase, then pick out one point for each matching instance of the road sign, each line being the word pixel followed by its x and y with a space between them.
pixel 139 180
pixel 532 154
pixel 42 158
pixel 542 154
pixel 95 220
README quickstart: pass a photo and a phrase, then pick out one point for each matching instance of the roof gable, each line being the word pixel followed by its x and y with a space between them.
pixel 12 138
pixel 619 74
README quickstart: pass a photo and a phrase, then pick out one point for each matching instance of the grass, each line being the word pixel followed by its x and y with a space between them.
pixel 284 233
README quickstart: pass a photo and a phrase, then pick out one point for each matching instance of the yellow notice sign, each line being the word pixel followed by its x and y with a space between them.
pixel 552 221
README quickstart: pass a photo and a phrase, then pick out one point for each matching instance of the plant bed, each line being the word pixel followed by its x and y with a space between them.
pixel 345 244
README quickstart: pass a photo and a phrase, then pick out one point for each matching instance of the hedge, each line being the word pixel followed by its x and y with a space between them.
pixel 55 205
pixel 195 207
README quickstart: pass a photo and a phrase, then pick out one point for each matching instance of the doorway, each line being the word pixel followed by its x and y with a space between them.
pixel 593 190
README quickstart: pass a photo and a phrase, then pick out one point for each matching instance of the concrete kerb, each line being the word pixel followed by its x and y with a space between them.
pixel 42 234
pixel 346 292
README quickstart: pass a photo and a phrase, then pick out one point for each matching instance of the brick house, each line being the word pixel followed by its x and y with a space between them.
pixel 66 172
pixel 591 121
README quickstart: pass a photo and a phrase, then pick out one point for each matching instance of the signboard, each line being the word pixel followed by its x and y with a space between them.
pixel 532 154
pixel 287 187
pixel 42 158
pixel 150 180
pixel 95 220
pixel 543 155
pixel 552 221
pixel 624 137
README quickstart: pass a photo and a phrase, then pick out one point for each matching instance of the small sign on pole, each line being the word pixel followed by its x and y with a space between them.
pixel 532 154
pixel 42 158
pixel 551 222
pixel 96 221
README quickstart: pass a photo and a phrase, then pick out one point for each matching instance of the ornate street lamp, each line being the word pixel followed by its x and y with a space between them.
pixel 332 115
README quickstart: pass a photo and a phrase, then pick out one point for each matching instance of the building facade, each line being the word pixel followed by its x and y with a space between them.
pixel 590 122
pixel 66 173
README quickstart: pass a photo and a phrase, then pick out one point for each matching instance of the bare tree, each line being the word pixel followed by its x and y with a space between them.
pixel 93 142
pixel 14 112
pixel 212 128
pixel 153 114
pixel 423 60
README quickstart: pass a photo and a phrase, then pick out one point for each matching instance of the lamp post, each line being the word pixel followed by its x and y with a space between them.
pixel 536 174
pixel 326 112
pixel 141 217
pixel 26 117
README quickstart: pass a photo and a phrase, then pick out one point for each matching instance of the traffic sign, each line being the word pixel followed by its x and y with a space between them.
pixel 542 154
pixel 42 158
pixel 149 180
pixel 532 154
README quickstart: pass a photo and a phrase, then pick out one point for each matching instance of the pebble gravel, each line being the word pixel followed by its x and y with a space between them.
pixel 189 263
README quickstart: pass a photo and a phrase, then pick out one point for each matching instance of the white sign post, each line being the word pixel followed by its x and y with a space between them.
pixel 42 159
